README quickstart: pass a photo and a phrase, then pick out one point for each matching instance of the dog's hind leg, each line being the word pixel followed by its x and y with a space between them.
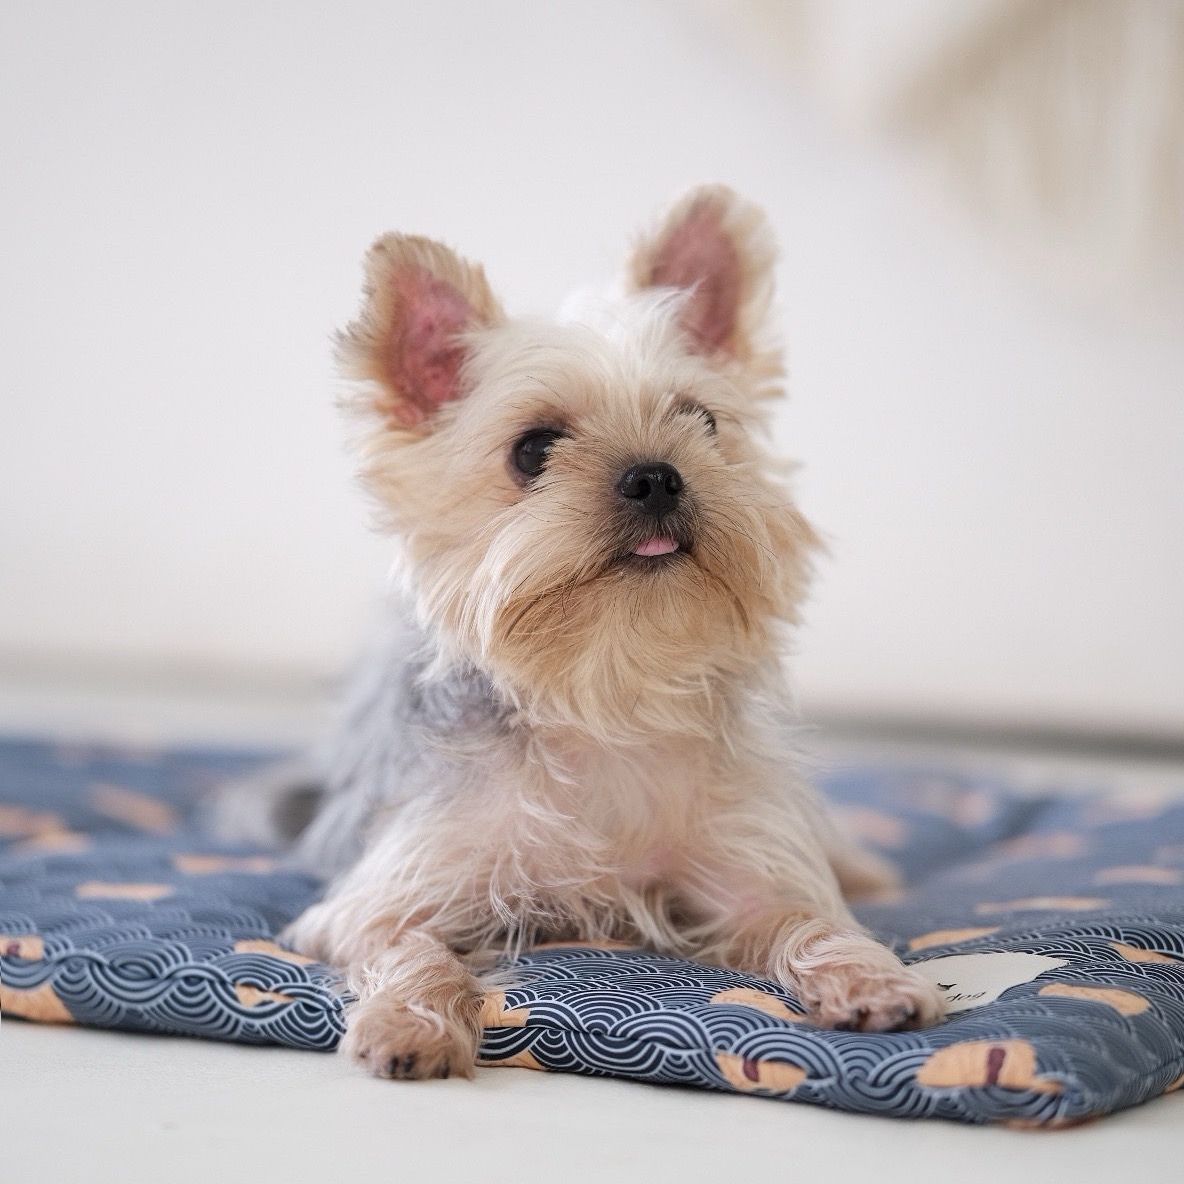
pixel 862 873
pixel 272 806
pixel 417 1013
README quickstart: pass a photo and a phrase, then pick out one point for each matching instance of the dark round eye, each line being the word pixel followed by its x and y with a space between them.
pixel 530 452
pixel 701 411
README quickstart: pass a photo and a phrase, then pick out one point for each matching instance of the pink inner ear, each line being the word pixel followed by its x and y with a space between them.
pixel 425 356
pixel 699 253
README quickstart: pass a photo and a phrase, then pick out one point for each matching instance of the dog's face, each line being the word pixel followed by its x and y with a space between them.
pixel 585 512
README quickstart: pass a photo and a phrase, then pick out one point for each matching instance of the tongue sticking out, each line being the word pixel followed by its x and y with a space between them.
pixel 658 546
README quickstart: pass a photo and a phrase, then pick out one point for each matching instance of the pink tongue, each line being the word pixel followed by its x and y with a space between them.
pixel 658 546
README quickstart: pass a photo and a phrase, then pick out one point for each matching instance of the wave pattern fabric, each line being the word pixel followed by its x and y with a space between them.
pixel 1055 925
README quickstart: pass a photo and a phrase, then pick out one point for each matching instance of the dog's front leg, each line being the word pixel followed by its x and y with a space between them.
pixel 417 1011
pixel 801 934
pixel 843 977
pixel 417 1005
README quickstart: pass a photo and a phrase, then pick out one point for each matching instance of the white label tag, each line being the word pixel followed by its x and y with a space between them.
pixel 973 980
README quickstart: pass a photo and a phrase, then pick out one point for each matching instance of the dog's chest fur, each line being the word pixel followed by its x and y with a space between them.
pixel 446 791
pixel 584 840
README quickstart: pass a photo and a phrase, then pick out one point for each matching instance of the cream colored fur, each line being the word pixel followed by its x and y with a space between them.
pixel 630 775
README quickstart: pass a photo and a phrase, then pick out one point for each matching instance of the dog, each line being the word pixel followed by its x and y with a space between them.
pixel 578 727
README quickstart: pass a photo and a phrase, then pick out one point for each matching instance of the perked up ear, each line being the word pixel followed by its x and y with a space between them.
pixel 419 299
pixel 720 249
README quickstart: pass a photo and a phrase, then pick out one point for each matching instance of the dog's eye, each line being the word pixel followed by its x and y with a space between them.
pixel 530 452
pixel 701 411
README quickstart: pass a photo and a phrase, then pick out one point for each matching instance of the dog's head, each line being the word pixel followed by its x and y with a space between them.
pixel 585 510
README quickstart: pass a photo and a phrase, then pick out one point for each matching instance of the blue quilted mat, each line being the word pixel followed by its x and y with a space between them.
pixel 1054 924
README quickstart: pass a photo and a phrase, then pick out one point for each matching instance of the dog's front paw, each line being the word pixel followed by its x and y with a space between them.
pixel 407 1041
pixel 868 991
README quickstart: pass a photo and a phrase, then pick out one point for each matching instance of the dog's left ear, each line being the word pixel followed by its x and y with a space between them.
pixel 420 301
pixel 719 248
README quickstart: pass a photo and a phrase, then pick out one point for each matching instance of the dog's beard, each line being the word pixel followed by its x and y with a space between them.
pixel 578 629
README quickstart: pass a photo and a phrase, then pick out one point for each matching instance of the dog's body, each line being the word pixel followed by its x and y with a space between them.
pixel 580 731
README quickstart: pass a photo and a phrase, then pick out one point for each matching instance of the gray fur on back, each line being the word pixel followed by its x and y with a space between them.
pixel 400 734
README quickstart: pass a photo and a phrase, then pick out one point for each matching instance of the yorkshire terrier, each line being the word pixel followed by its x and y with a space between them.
pixel 579 728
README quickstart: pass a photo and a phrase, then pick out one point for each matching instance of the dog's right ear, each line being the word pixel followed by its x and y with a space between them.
pixel 420 299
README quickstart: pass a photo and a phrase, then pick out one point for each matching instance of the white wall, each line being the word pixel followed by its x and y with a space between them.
pixel 186 193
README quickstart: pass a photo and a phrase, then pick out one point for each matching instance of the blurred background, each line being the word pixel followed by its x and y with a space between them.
pixel 981 209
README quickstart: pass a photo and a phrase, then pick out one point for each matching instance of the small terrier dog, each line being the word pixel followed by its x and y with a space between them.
pixel 579 731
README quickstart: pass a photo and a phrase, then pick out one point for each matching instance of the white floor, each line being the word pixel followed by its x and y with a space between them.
pixel 107 1108
pixel 92 1107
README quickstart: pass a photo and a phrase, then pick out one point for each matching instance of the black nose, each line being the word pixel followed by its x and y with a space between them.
pixel 652 486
